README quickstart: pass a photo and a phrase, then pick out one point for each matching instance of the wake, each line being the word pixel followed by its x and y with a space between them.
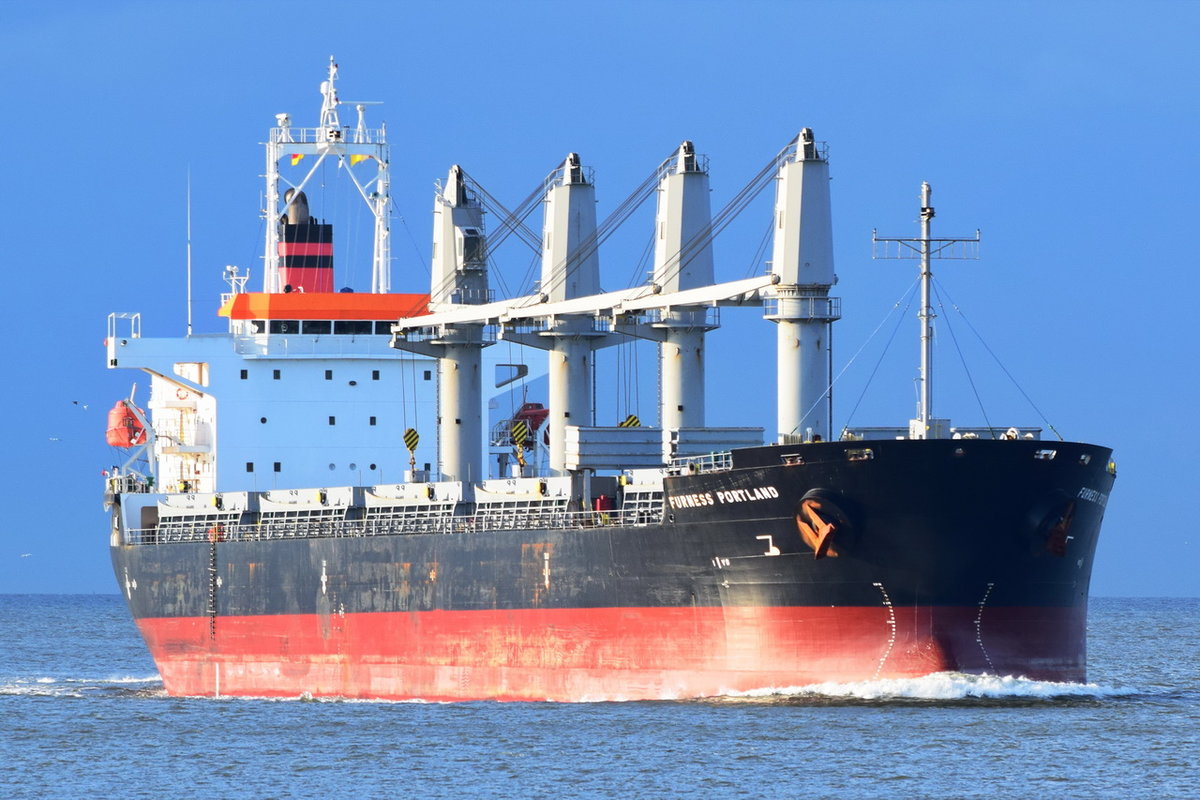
pixel 942 686
pixel 80 687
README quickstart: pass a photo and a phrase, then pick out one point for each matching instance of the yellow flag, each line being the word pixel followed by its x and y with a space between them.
pixel 296 157
pixel 356 159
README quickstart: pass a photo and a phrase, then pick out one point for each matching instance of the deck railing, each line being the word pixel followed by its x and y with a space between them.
pixel 484 522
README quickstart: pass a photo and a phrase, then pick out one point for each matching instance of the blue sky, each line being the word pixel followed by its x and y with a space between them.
pixel 1065 131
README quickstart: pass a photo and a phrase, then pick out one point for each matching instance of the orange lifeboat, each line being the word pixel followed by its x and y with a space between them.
pixel 124 428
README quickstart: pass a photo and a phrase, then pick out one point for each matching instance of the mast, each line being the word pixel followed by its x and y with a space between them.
pixel 926 315
pixel 458 278
pixel 683 259
pixel 926 248
pixel 800 305
pixel 570 270
pixel 349 147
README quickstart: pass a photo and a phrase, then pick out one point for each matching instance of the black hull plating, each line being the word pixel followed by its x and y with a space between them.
pixel 935 523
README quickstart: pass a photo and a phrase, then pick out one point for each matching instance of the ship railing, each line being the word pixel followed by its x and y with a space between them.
pixel 707 317
pixel 709 462
pixel 332 529
pixel 346 133
pixel 560 520
pixel 127 321
pixel 176 433
pixel 129 483
pixel 788 303
pixel 501 435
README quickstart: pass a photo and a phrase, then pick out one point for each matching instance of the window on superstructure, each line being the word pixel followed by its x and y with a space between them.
pixel 258 325
pixel 249 466
pixel 473 247
pixel 372 421
pixel 244 374
pixel 428 375
pixel 353 327
pixel 328 374
pixel 333 420
pixel 316 326
pixel 275 374
pixel 278 467
pixel 383 327
pixel 284 326
pixel 374 374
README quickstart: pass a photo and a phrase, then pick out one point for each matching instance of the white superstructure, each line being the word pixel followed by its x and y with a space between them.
pixel 317 387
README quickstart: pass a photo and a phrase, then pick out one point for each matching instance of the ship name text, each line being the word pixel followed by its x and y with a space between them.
pixel 1099 498
pixel 702 499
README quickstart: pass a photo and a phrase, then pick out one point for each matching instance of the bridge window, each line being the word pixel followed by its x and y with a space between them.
pixel 353 327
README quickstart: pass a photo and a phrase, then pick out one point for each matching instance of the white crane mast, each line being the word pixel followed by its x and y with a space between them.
pixel 570 318
pixel 458 278
pixel 570 270
pixel 802 258
pixel 683 259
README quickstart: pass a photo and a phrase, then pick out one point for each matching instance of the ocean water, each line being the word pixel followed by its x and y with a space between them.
pixel 83 714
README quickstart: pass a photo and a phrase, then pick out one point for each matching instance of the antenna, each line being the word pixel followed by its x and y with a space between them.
pixel 925 248
pixel 189 250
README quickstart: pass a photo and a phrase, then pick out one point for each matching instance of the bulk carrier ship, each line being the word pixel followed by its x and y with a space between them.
pixel 282 528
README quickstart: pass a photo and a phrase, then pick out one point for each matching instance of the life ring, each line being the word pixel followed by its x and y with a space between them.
pixel 181 393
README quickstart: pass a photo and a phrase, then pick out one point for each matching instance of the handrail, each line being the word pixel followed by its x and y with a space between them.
pixel 709 462
pixel 481 522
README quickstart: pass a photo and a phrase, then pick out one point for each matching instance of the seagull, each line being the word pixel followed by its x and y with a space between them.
pixel 26 555
pixel 81 405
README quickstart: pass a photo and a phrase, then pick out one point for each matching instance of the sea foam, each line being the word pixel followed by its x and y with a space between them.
pixel 942 686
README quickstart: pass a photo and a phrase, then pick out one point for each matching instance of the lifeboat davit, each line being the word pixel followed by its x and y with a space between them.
pixel 124 428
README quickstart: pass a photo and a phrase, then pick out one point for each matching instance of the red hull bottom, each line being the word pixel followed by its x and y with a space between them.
pixel 604 654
